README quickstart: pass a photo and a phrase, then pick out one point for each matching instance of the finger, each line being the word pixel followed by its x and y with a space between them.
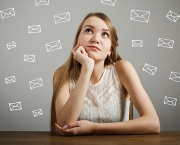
pixel 72 125
pixel 71 131
pixel 76 47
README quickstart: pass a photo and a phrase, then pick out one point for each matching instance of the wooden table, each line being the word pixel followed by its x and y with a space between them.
pixel 45 138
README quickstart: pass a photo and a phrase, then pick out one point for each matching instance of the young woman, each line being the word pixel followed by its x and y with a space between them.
pixel 92 91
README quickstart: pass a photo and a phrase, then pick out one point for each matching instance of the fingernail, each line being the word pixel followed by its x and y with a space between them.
pixel 65 127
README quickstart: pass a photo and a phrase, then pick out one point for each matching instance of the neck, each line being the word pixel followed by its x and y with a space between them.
pixel 97 73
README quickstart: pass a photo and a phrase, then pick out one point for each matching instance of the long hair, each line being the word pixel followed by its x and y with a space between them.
pixel 71 68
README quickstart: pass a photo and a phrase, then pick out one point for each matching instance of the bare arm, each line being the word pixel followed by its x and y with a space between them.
pixel 148 122
pixel 68 107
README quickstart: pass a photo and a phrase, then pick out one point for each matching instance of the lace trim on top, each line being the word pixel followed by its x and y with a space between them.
pixel 107 94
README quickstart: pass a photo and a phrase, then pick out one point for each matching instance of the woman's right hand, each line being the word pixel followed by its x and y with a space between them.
pixel 80 54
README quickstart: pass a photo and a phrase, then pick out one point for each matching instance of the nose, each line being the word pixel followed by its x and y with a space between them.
pixel 95 38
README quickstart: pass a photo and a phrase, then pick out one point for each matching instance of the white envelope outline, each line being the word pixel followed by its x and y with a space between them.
pixel 37 112
pixel 41 2
pixel 53 45
pixel 172 16
pixel 140 15
pixel 36 83
pixel 34 29
pixel 170 101
pixel 165 43
pixel 11 45
pixel 29 58
pixel 137 43
pixel 175 76
pixel 10 79
pixel 149 69
pixel 63 17
pixel 15 106
pixel 109 2
pixel 7 13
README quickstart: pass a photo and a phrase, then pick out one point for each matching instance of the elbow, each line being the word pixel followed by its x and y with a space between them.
pixel 155 126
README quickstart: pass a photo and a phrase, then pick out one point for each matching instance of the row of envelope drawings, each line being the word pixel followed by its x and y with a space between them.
pixel 17 106
pixel 33 83
pixel 162 42
pixel 55 45
pixel 135 15
pixel 174 76
pixel 51 46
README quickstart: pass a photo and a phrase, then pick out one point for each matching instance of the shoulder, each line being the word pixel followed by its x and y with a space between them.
pixel 123 66
pixel 125 70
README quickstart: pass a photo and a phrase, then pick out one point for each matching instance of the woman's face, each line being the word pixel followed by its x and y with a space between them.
pixel 95 38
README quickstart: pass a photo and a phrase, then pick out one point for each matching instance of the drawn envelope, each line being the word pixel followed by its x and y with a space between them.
pixel 63 17
pixel 34 29
pixel 170 101
pixel 175 76
pixel 7 13
pixel 140 15
pixel 41 2
pixel 53 45
pixel 37 112
pixel 36 83
pixel 165 43
pixel 172 16
pixel 29 58
pixel 10 79
pixel 137 43
pixel 11 45
pixel 149 69
pixel 15 106
pixel 109 2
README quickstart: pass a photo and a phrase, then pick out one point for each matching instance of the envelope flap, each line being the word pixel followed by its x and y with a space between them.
pixel 150 67
pixel 63 15
pixel 34 27
pixel 54 44
pixel 140 13
pixel 173 14
pixel 176 74
pixel 10 78
pixel 165 41
pixel 170 99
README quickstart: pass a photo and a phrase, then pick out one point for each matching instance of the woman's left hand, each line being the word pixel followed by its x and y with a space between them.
pixel 76 128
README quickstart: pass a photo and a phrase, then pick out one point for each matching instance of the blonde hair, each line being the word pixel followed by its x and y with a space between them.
pixel 71 68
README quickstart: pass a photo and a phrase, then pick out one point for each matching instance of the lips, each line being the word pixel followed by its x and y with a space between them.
pixel 95 47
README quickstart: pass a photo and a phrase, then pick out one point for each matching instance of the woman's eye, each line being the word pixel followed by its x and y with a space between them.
pixel 106 34
pixel 88 30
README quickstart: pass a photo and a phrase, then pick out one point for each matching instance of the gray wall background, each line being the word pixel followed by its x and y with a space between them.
pixel 12 62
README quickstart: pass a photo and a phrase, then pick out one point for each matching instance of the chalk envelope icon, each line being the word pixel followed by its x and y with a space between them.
pixel 137 43
pixel 170 101
pixel 109 2
pixel 7 13
pixel 29 58
pixel 63 17
pixel 41 2
pixel 11 45
pixel 11 79
pixel 149 69
pixel 34 29
pixel 15 106
pixel 165 43
pixel 36 83
pixel 140 15
pixel 172 16
pixel 175 76
pixel 37 112
pixel 55 45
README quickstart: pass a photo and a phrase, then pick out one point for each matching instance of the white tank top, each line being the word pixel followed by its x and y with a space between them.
pixel 104 101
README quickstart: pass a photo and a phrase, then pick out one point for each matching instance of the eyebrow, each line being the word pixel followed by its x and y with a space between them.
pixel 93 27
